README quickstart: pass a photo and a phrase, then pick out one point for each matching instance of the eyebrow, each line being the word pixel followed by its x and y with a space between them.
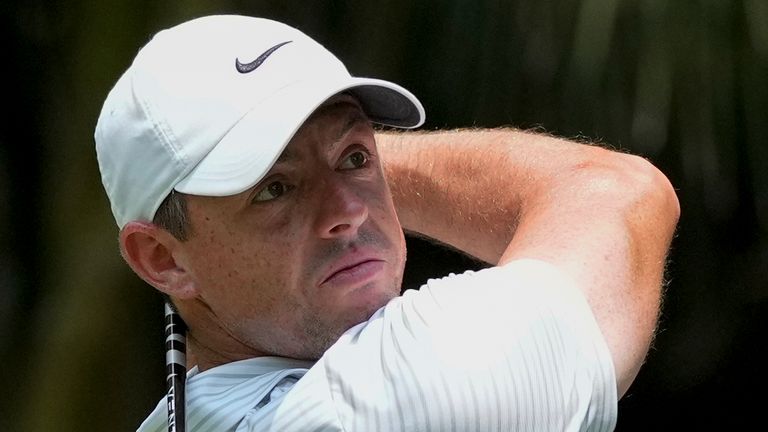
pixel 355 118
pixel 286 156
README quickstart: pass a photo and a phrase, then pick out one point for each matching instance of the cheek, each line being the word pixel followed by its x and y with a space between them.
pixel 252 288
pixel 241 262
pixel 386 217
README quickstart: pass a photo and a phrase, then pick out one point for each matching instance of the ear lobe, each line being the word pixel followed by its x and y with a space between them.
pixel 148 250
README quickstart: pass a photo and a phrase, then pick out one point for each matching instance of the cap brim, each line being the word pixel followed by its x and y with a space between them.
pixel 248 151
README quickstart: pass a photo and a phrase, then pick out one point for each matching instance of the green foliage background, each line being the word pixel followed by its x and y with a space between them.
pixel 684 83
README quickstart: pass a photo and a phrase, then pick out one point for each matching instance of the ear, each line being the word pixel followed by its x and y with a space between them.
pixel 149 251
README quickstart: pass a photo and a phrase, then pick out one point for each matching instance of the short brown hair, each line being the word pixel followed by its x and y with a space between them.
pixel 172 215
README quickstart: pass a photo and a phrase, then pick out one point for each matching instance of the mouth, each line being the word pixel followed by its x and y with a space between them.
pixel 353 271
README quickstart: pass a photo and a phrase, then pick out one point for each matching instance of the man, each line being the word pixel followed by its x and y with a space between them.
pixel 250 188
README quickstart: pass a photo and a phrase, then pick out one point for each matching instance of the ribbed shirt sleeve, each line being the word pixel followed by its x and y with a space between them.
pixel 512 348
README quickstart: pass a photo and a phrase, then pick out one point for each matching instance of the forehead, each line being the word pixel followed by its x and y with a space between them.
pixel 340 102
pixel 335 117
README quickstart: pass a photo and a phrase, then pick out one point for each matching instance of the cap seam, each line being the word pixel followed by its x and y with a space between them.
pixel 166 136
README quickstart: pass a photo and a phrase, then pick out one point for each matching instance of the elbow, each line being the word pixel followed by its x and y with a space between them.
pixel 654 197
pixel 635 186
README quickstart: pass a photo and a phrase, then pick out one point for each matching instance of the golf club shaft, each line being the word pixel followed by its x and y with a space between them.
pixel 176 367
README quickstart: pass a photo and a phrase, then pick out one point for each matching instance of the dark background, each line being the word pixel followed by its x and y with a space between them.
pixel 683 83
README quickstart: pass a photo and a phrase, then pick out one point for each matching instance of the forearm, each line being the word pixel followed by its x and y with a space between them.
pixel 604 218
pixel 471 189
pixel 438 191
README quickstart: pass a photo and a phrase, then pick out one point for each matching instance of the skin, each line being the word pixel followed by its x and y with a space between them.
pixel 258 274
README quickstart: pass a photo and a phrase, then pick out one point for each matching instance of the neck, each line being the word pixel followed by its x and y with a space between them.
pixel 208 343
pixel 204 357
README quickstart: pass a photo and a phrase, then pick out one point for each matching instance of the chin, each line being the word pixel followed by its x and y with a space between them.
pixel 360 310
pixel 323 329
pixel 372 297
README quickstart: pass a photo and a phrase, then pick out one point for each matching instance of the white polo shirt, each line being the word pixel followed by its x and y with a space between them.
pixel 502 349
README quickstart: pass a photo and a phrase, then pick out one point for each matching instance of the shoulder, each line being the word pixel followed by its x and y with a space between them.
pixel 482 350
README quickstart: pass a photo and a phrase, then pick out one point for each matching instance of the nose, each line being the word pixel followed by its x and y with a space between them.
pixel 341 211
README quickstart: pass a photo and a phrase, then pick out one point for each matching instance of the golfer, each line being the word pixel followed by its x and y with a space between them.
pixel 251 189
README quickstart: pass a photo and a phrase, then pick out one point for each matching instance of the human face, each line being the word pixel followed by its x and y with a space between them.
pixel 313 249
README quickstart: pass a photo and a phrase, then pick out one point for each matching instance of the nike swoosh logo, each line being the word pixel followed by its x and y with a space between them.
pixel 244 68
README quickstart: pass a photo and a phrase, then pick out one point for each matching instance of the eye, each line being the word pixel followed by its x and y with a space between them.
pixel 354 160
pixel 272 190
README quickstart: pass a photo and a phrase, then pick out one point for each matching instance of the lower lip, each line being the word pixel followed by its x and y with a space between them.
pixel 356 275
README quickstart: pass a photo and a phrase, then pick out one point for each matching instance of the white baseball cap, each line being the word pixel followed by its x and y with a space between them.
pixel 207 107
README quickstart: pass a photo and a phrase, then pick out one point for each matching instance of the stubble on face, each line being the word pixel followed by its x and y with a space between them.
pixel 322 330
pixel 310 328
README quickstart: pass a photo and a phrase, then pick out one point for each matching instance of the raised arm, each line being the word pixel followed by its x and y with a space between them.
pixel 605 218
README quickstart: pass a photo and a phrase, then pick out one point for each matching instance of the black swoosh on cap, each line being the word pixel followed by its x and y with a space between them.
pixel 249 67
